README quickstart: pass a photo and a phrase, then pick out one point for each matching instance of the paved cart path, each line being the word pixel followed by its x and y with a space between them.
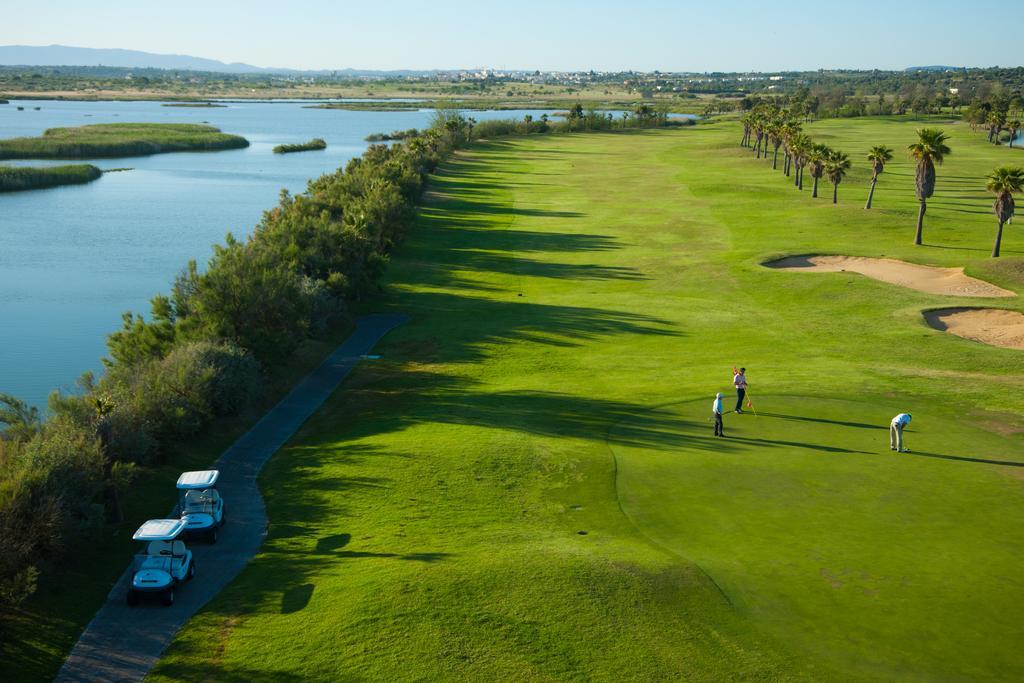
pixel 123 643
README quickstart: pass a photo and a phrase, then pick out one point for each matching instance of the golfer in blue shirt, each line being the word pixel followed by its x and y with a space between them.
pixel 716 408
pixel 896 431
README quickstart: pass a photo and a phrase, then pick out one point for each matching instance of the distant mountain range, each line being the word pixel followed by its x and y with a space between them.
pixel 63 55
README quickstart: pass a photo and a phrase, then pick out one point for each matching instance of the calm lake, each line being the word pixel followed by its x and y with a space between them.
pixel 73 259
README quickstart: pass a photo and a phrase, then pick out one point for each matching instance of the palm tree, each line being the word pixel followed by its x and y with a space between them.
pixel 758 123
pixel 930 149
pixel 837 165
pixel 816 157
pixel 775 137
pixel 745 120
pixel 790 129
pixel 801 148
pixel 1014 127
pixel 878 156
pixel 996 120
pixel 1003 182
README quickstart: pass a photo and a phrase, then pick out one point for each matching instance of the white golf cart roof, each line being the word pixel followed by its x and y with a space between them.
pixel 159 530
pixel 202 479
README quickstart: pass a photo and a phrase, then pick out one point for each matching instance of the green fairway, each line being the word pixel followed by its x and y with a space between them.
pixel 525 485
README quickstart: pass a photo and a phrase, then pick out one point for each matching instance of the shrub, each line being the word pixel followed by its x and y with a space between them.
pixel 393 135
pixel 174 397
pixel 18 178
pixel 49 487
pixel 314 144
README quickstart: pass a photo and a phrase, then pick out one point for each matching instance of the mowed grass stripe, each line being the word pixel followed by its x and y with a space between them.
pixel 426 524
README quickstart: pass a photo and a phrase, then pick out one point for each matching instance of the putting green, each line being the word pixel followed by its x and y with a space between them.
pixel 810 525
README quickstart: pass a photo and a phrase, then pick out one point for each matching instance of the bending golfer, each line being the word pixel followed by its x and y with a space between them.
pixel 716 408
pixel 739 380
pixel 896 431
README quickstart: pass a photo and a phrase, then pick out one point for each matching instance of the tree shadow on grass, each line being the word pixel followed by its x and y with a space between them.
pixel 469 235
pixel 207 670
pixel 840 423
pixel 296 598
pixel 475 326
pixel 333 544
pixel 456 269
pixel 403 396
pixel 964 458
pixel 798 444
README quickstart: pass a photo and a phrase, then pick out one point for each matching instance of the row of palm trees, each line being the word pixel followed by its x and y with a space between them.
pixel 770 125
pixel 997 123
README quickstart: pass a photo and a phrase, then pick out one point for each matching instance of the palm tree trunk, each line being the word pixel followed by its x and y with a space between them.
pixel 999 240
pixel 786 163
pixel 800 179
pixel 871 192
pixel 815 193
pixel 835 193
pixel 920 222
pixel 775 160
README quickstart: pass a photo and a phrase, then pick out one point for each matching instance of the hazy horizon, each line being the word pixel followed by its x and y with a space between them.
pixel 733 35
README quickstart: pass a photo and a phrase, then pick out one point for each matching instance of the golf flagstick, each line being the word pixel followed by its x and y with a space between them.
pixel 750 404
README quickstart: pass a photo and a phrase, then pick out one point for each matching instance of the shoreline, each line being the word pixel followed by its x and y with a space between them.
pixel 398 102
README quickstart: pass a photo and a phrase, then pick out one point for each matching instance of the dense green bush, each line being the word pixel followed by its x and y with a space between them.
pixel 314 144
pixel 393 135
pixel 576 120
pixel 50 485
pixel 17 178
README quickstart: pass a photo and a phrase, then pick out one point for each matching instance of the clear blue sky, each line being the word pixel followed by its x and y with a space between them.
pixel 714 35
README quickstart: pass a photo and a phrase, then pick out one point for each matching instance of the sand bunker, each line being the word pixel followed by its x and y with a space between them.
pixel 928 279
pixel 986 325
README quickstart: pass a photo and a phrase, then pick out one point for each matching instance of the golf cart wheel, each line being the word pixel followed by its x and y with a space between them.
pixel 133 598
pixel 168 597
pixel 211 536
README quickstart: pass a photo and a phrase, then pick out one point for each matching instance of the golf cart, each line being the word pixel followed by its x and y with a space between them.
pixel 164 563
pixel 200 504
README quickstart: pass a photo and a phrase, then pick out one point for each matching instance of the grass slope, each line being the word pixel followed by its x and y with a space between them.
pixel 119 140
pixel 576 302
pixel 18 178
